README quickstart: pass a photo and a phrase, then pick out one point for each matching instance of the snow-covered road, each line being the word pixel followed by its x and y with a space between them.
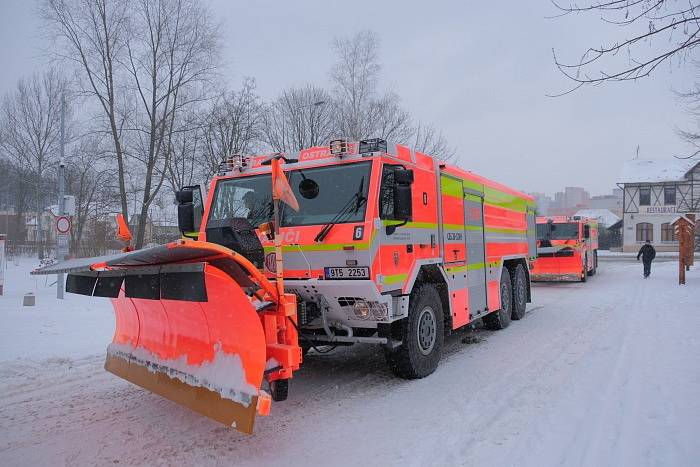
pixel 602 373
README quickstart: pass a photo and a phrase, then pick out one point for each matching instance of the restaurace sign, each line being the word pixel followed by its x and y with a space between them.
pixel 660 210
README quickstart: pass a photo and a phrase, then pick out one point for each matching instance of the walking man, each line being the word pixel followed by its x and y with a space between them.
pixel 648 253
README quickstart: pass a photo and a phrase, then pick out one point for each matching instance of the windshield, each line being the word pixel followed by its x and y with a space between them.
pixel 549 231
pixel 322 192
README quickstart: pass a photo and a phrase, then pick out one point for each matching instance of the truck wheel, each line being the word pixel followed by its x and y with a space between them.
pixel 422 334
pixel 584 271
pixel 501 319
pixel 279 389
pixel 519 280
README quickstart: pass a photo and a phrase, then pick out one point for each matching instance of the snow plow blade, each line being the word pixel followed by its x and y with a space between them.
pixel 196 323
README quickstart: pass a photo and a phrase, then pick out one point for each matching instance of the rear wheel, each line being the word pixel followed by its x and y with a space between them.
pixel 519 280
pixel 422 334
pixel 501 319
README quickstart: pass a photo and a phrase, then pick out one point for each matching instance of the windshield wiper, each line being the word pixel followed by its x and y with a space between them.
pixel 357 199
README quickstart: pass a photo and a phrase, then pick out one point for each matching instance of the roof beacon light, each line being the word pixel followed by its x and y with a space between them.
pixel 370 146
pixel 339 147
pixel 233 162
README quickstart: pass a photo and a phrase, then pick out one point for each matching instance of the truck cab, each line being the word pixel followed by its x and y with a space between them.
pixel 567 249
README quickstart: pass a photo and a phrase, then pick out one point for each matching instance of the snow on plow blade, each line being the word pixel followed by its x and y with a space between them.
pixel 190 320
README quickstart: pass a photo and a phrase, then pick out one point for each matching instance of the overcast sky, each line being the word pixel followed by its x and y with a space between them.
pixel 478 71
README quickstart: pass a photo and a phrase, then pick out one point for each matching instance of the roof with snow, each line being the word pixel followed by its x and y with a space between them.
pixel 682 216
pixel 656 171
pixel 604 216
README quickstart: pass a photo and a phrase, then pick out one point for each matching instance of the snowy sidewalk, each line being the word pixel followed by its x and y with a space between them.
pixel 602 373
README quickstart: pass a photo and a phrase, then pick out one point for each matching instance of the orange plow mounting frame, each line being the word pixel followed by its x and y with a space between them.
pixel 195 323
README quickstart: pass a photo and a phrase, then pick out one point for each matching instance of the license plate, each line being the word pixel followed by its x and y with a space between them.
pixel 347 273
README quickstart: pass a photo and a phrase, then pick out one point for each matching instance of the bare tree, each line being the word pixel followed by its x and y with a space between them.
pixel 233 125
pixel 30 130
pixel 354 77
pixel 89 178
pixel 428 140
pixel 93 36
pixel 675 26
pixel 150 58
pixel 386 119
pixel 299 118
pixel 186 160
pixel 172 51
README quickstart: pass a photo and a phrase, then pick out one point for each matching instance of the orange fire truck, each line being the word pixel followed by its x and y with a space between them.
pixel 389 246
pixel 567 249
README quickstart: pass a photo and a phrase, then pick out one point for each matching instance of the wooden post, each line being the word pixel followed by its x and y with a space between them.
pixel 691 240
pixel 684 227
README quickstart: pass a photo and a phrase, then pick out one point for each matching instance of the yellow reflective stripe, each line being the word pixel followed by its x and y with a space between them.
pixel 319 247
pixel 410 225
pixel 452 226
pixel 451 186
pixel 506 231
pixel 473 185
pixel 468 267
pixel 390 279
pixel 494 197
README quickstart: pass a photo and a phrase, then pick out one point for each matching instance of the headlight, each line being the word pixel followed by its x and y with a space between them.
pixel 362 310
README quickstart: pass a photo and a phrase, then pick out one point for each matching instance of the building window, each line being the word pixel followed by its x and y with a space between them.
pixel 670 195
pixel 645 196
pixel 668 233
pixel 645 231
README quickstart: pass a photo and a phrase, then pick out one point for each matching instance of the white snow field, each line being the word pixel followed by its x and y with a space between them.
pixel 605 373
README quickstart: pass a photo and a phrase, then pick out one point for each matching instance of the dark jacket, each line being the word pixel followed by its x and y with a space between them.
pixel 647 252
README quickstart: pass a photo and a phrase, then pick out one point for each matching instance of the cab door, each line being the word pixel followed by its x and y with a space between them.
pixel 455 247
pixel 476 251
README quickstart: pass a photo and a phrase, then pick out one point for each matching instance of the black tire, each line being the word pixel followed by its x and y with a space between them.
pixel 422 335
pixel 279 389
pixel 519 282
pixel 584 271
pixel 500 319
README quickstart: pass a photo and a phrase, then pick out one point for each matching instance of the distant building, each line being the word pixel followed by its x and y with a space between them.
pixel 605 217
pixel 543 203
pixel 575 196
pixel 654 193
pixel 612 202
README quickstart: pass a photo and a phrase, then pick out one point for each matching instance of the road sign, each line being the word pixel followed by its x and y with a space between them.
pixel 63 224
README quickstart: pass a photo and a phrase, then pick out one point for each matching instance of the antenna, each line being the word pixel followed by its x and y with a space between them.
pixel 637 156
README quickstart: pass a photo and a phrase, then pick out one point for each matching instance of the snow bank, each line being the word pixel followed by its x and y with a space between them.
pixel 70 328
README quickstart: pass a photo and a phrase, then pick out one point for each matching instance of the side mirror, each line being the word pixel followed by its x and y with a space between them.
pixel 189 210
pixel 586 231
pixel 403 204
pixel 403 201
pixel 184 195
pixel 185 218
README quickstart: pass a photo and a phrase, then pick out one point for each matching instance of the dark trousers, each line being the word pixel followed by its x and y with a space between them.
pixel 647 268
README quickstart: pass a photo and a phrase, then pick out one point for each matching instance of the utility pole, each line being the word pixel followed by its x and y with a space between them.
pixel 60 248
